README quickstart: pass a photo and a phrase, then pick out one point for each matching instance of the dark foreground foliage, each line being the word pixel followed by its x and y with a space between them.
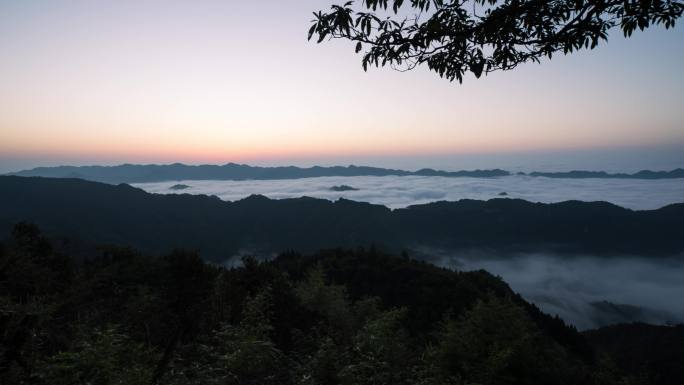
pixel 654 353
pixel 336 317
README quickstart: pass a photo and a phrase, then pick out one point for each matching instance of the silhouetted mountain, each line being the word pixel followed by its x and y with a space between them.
pixel 643 174
pixel 102 213
pixel 131 173
pixel 476 173
pixel 608 313
pixel 343 187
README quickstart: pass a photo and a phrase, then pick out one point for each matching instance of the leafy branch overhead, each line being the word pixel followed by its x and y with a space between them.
pixel 453 37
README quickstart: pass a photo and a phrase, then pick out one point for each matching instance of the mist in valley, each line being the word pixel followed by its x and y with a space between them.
pixel 587 291
pixel 403 191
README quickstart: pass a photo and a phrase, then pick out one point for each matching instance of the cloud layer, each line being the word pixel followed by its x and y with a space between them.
pixel 584 290
pixel 396 192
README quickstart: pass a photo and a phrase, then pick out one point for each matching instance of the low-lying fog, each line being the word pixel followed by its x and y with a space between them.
pixel 586 291
pixel 590 291
pixel 402 191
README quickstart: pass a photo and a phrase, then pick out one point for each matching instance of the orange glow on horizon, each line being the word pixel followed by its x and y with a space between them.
pixel 217 87
pixel 216 155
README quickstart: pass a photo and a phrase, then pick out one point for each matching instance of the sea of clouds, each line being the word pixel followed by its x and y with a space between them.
pixel 583 290
pixel 587 291
pixel 402 191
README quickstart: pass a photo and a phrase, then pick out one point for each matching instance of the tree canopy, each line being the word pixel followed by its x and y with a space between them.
pixel 336 317
pixel 453 37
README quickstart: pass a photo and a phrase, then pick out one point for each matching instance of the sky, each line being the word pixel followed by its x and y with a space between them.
pixel 85 82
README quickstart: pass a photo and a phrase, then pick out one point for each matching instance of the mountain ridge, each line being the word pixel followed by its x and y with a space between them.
pixel 145 173
pixel 102 214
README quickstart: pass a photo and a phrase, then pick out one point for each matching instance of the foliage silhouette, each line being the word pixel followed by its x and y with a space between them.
pixel 453 37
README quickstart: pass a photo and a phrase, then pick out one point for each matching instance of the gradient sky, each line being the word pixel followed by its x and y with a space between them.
pixel 219 81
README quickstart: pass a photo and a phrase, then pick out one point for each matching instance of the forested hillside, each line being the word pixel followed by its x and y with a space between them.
pixel 334 317
pixel 650 352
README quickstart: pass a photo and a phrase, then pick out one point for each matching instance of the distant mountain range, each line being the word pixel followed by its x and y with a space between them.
pixel 97 213
pixel 130 173
pixel 643 174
